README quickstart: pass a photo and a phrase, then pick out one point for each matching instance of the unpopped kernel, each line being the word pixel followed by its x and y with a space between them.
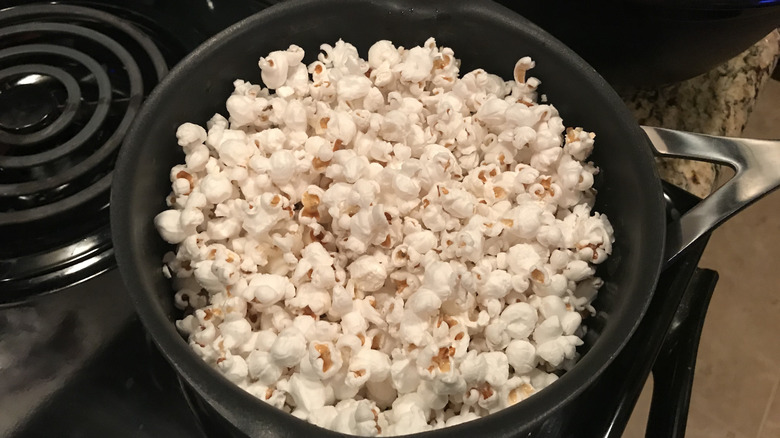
pixel 382 246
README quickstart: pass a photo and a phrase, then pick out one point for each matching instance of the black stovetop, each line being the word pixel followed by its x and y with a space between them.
pixel 74 358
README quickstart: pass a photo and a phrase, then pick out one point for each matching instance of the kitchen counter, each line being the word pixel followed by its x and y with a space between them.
pixel 717 103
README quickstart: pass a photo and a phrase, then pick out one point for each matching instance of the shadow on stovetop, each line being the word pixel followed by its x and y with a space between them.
pixel 128 390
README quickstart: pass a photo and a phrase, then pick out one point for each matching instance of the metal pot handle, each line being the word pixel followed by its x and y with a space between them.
pixel 757 167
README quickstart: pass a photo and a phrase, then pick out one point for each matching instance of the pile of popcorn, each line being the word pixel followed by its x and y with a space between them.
pixel 383 247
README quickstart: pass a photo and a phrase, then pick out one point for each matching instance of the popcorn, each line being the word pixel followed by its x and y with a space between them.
pixel 190 134
pixel 383 53
pixel 368 273
pixel 416 65
pixel 387 231
pixel 308 394
pixel 440 279
pixel 233 367
pixel 424 302
pixel 235 332
pixel 269 289
pixel 570 322
pixel 353 87
pixel 204 273
pixel 408 415
pixel 521 320
pixel 274 69
pixel 169 226
pixel 497 284
pixel 262 368
pixel 555 351
pixel 216 187
pixel 370 364
pixel 497 368
pixel 521 355
pixel 289 348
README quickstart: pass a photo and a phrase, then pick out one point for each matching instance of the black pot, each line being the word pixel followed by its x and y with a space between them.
pixel 652 42
pixel 483 34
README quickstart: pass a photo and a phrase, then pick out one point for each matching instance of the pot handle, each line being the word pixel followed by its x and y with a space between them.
pixel 757 167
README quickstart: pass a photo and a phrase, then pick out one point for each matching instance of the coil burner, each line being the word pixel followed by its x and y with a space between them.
pixel 71 81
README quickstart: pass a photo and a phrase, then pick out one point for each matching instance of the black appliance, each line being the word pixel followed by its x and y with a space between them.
pixel 653 42
pixel 74 359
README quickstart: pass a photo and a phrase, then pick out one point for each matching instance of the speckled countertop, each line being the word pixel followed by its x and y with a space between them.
pixel 717 103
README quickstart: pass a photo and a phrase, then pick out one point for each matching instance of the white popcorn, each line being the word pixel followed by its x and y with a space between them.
pixel 309 296
pixel 353 87
pixel 408 415
pixel 520 319
pixel 190 134
pixel 404 375
pixel 497 284
pixel 325 358
pixel 555 351
pixel 169 226
pixel 274 69
pixel 383 393
pixel 385 230
pixel 206 277
pixel 282 166
pixel 383 52
pixel 416 65
pixel 368 273
pixel 324 416
pixel 241 109
pixel 492 111
pixel 541 379
pixel 269 289
pixel 497 368
pixel 496 335
pixel 424 302
pixel 233 367
pixel 552 306
pixel 473 368
pixel 262 368
pixel 356 417
pixel 516 390
pixel 288 348
pixel 340 126
pixel 522 259
pixel 308 394
pixel 235 332
pixel 374 364
pixel 548 330
pixel 216 187
pixel 570 322
pixel 521 355
pixel 463 417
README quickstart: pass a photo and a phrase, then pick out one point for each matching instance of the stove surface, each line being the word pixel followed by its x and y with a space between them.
pixel 77 363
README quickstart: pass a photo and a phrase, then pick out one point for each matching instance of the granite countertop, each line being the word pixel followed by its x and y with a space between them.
pixel 717 103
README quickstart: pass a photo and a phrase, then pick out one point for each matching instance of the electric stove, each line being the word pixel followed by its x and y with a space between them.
pixel 74 358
